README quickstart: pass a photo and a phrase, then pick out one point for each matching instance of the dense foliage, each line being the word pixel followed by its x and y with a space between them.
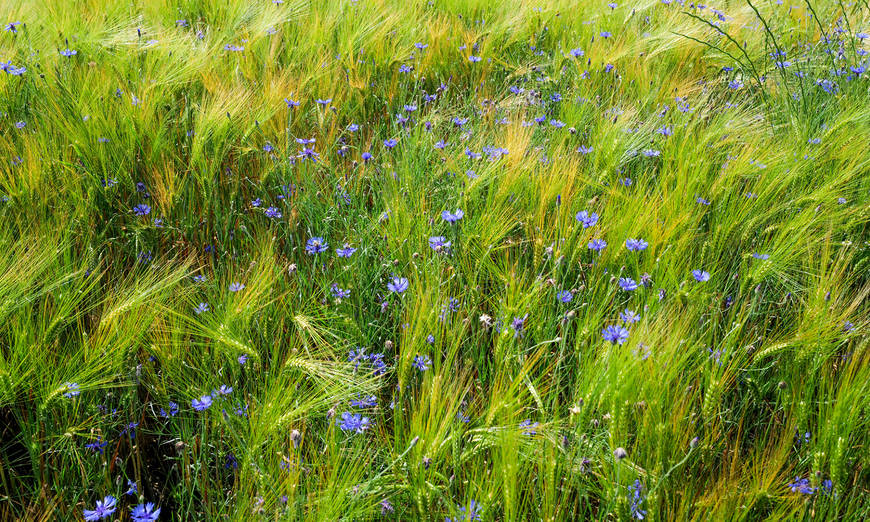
pixel 458 259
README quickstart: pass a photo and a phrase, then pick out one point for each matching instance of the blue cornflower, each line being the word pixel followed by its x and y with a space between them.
pixel 452 217
pixel 636 500
pixel 528 427
pixel 588 219
pixel 629 316
pixel 474 59
pixel 700 275
pixel 364 402
pixel 518 324
pixel 353 422
pixel 628 284
pixel 68 52
pixel 145 513
pixel 636 244
pixel 72 390
pixel 345 251
pixel 236 287
pixel 565 296
pixel 615 334
pixel 802 485
pixel 173 410
pixel 606 34
pixel 390 143
pixel 582 149
pixel 760 256
pixel 471 513
pixel 97 446
pixel 326 101
pixel 201 307
pixel 203 403
pixel 142 209
pixel 104 508
pixel 438 243
pixel 291 103
pixel 339 293
pixel 397 285
pixel 273 213
pixel 597 244
pixel 577 53
pixel 20 124
pixel 422 362
pixel 132 488
pixel 316 245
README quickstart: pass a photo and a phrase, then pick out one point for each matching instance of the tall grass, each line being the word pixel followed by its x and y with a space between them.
pixel 168 320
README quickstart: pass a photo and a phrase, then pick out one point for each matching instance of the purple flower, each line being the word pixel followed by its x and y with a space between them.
pixel 452 217
pixel 145 513
pixel 518 324
pixel 316 245
pixel 588 219
pixel 565 296
pixel 68 52
pixel 635 245
pixel 615 334
pixel 760 256
pixel 104 509
pixel 390 143
pixel 528 427
pixel 345 251
pixel 397 285
pixel 141 209
pixel 353 422
pixel 235 287
pixel 422 362
pixel 438 243
pixel 273 213
pixel 628 284
pixel 577 53
pixel 597 245
pixel 629 316
pixel 72 390
pixel 201 404
pixel 700 275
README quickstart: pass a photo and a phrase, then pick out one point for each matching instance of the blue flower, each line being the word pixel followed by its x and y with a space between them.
pixel 597 245
pixel 634 245
pixel 273 213
pixel 104 509
pixel 760 256
pixel 353 422
pixel 142 209
pixel 145 513
pixel 629 316
pixel 203 403
pixel 235 287
pixel 452 217
pixel 422 362
pixel 528 427
pixel 72 390
pixel 390 143
pixel 201 307
pixel 700 275
pixel 438 243
pixel 316 245
pixel 518 325
pixel 565 296
pixel 615 334
pixel 68 52
pixel 397 285
pixel 628 284
pixel 588 219
pixel 345 251
pixel 802 485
